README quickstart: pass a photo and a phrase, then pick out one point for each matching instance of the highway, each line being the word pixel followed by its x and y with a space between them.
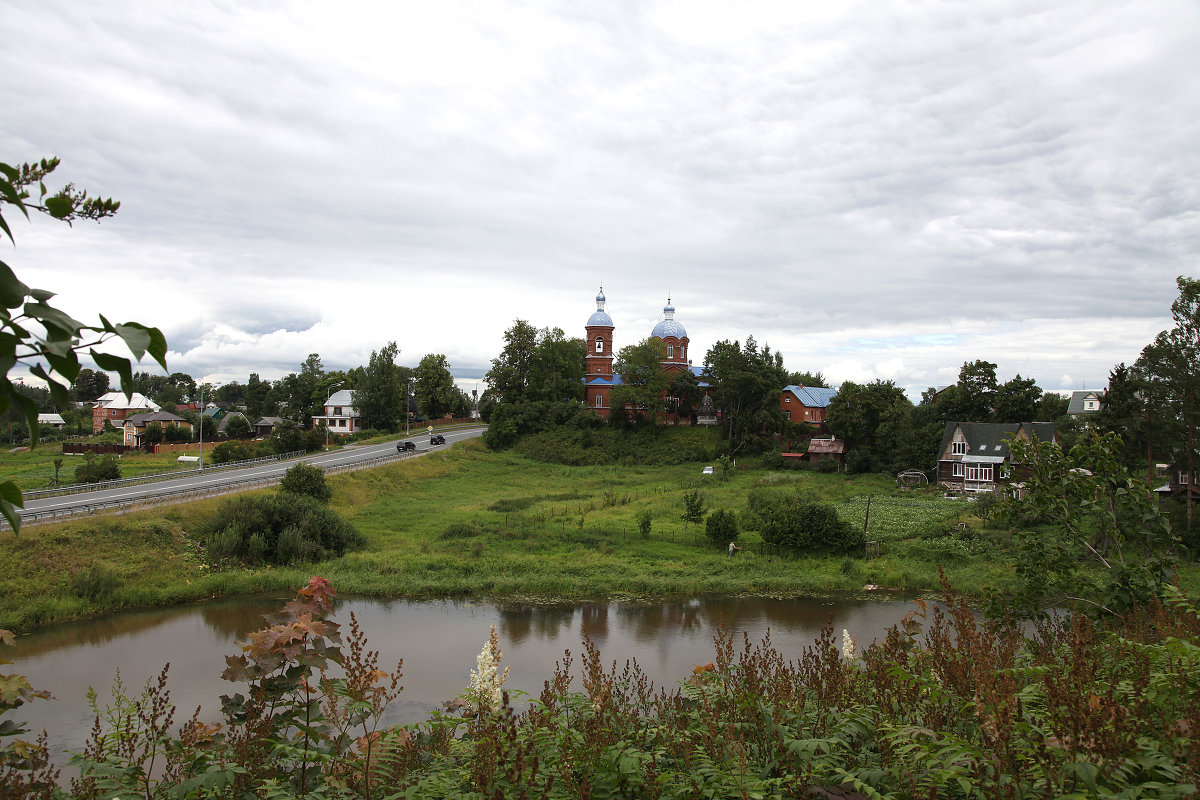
pixel 197 483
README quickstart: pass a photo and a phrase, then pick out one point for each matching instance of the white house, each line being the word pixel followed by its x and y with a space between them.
pixel 341 417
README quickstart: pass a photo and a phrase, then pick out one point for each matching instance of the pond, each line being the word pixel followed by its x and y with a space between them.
pixel 438 640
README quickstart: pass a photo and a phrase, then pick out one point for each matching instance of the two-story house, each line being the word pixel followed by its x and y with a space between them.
pixel 805 403
pixel 1085 403
pixel 134 427
pixel 974 456
pixel 340 417
pixel 114 407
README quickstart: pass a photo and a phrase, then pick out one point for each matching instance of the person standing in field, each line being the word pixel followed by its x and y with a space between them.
pixel 733 547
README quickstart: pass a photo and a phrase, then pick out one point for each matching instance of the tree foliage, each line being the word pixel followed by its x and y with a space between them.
pixel 721 526
pixel 42 338
pixel 747 383
pixel 793 523
pixel 307 479
pixel 643 380
pixel 1090 535
pixel 434 387
pixel 379 396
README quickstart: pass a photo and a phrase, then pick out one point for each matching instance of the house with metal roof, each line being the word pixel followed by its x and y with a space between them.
pixel 805 403
pixel 1084 403
pixel 114 407
pixel 341 417
pixel 974 456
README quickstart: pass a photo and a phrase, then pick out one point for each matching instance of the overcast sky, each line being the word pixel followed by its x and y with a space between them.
pixel 876 190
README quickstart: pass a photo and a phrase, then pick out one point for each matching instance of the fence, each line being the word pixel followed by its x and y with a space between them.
pixel 100 449
pixel 184 495
pixel 76 488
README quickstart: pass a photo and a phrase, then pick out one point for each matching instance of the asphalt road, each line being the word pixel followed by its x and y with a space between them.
pixel 217 482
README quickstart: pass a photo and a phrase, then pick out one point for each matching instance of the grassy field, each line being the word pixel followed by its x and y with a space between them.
pixel 470 522
pixel 34 469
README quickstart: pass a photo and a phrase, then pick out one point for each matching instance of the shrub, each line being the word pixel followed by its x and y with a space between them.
pixel 283 528
pixel 791 522
pixel 460 530
pixel 93 471
pixel 308 480
pixel 645 520
pixel 721 526
pixel 235 450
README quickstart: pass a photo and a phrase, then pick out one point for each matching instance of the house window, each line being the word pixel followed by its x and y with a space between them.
pixel 787 399
pixel 981 472
pixel 337 410
pixel 957 469
pixel 958 448
pixel 1183 479
pixel 788 414
pixel 599 345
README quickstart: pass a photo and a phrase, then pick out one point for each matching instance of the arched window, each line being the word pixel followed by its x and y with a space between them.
pixel 670 351
pixel 599 345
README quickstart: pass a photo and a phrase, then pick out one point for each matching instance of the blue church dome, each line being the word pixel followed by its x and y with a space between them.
pixel 668 326
pixel 601 317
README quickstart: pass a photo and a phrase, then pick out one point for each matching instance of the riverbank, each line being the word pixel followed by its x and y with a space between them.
pixel 468 522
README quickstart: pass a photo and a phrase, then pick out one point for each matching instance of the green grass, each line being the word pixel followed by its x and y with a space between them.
pixel 468 522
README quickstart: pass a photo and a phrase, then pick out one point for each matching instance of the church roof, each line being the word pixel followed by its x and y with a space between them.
pixel 601 317
pixel 668 325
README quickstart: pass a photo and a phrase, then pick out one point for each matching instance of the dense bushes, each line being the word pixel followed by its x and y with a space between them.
pixel 721 526
pixel 308 480
pixel 95 471
pixel 791 522
pixel 239 450
pixel 282 528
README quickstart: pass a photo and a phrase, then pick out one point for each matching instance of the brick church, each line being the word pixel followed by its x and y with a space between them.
pixel 600 380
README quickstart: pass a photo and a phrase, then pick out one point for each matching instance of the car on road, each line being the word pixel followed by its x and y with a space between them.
pixel 402 446
pixel 437 438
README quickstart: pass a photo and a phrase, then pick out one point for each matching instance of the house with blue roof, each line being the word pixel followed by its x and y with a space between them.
pixel 806 403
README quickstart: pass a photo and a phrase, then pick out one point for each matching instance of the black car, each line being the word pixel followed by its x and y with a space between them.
pixel 437 438
pixel 402 446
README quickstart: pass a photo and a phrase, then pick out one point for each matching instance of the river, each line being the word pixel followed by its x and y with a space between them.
pixel 438 640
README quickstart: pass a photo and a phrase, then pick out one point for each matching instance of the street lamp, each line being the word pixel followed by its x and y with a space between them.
pixel 407 415
pixel 201 422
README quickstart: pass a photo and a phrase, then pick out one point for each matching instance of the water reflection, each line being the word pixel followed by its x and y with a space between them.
pixel 437 640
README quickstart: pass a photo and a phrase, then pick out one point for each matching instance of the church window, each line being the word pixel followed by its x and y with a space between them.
pixel 599 401
pixel 670 351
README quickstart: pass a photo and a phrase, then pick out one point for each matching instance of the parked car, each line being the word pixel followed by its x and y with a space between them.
pixel 402 446
pixel 437 438
pixel 706 471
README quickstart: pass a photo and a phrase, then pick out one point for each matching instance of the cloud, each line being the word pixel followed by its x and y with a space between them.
pixel 877 192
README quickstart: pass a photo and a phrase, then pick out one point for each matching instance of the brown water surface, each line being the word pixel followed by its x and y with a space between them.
pixel 438 641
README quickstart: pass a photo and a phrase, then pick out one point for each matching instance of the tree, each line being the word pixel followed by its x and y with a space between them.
pixel 1122 414
pixel 856 414
pixel 1016 400
pixel 683 392
pixel 255 395
pixel 812 379
pixel 379 396
pixel 693 508
pixel 42 338
pixel 721 526
pixel 556 370
pixel 238 427
pixel 793 523
pixel 153 433
pixel 434 387
pixel 643 379
pixel 89 384
pixel 509 376
pixel 1097 515
pixel 1051 407
pixel 747 385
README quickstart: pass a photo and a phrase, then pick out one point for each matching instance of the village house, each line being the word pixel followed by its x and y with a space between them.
pixel 805 403
pixel 340 417
pixel 1085 403
pixel 134 427
pixel 113 407
pixel 974 456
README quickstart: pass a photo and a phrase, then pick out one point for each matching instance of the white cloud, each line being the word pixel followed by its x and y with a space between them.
pixel 876 192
